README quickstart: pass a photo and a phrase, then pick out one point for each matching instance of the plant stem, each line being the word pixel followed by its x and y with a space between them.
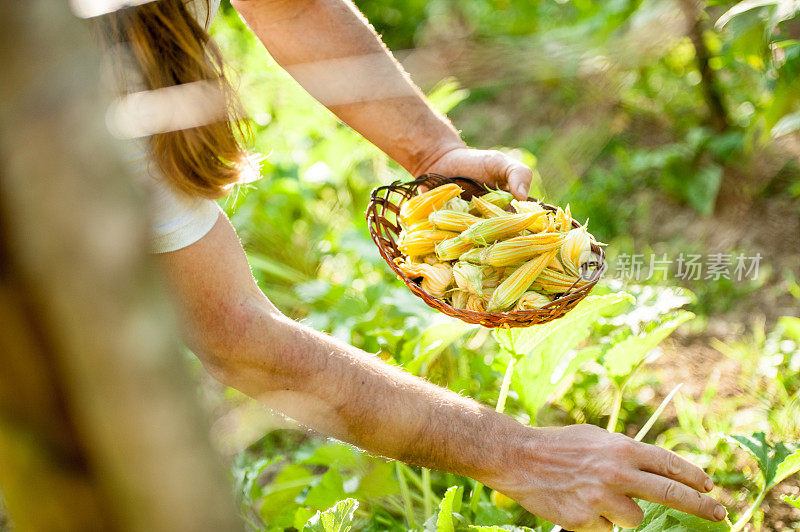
pixel 745 518
pixel 407 505
pixel 616 407
pixel 650 422
pixel 427 499
pixel 501 400
pixel 501 406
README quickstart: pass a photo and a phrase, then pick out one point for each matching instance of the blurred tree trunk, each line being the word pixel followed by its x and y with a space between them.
pixel 99 428
pixel 696 19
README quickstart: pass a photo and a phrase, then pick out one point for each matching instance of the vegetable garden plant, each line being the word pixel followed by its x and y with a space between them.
pixel 333 486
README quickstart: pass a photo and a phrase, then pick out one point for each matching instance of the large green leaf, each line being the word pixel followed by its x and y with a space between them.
pixel 281 493
pixel 488 514
pixel 451 503
pixel 433 341
pixel 338 518
pixel 625 356
pixel 521 341
pixel 378 481
pixel 789 466
pixel 658 518
pixel 776 461
pixel 546 352
pixel 326 492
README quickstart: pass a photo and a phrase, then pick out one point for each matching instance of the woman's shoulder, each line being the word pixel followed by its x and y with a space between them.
pixel 176 219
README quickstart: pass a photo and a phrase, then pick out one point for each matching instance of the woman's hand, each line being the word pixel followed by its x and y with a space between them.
pixel 487 166
pixel 583 478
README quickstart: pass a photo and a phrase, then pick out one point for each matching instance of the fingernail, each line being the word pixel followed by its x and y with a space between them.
pixel 709 484
pixel 522 191
pixel 719 512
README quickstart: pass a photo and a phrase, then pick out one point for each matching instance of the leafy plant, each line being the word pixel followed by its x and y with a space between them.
pixel 545 355
pixel 338 518
pixel 626 352
pixel 776 461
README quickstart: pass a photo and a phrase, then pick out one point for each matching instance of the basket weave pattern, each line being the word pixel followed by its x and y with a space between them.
pixel 382 219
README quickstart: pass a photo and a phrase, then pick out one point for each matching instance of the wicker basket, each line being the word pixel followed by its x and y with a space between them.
pixel 384 205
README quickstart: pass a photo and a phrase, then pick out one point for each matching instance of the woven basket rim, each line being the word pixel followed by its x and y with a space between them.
pixel 514 318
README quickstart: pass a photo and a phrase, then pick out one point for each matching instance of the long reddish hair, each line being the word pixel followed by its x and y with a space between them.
pixel 169 47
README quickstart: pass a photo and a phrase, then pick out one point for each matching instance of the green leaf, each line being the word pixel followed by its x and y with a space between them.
pixel 326 492
pixel 521 341
pixel 281 493
pixel 776 461
pixel 789 466
pixel 301 517
pixel 546 351
pixel 658 518
pixel 338 518
pixel 451 503
pixel 488 514
pixel 378 482
pixel 623 357
pixel 433 341
pixel 794 501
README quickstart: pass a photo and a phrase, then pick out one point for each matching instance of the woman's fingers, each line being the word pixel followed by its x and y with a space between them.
pixel 502 169
pixel 519 180
pixel 663 490
pixel 668 464
pixel 491 167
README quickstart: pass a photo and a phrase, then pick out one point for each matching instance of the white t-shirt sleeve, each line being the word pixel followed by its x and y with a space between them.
pixel 177 220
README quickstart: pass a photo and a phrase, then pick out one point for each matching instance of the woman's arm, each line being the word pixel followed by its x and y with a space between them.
pixel 333 52
pixel 581 476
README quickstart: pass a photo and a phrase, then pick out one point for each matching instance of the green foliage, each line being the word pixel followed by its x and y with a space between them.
pixel 542 350
pixel 338 518
pixel 435 339
pixel 776 461
pixel 628 350
pixel 314 480
pixel 448 517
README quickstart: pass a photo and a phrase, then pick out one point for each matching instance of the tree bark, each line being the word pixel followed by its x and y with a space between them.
pixel 99 427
